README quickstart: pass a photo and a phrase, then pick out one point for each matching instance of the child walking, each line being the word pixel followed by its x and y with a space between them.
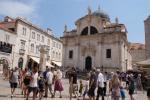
pixel 81 88
pixel 86 87
pixel 122 93
pixel 41 87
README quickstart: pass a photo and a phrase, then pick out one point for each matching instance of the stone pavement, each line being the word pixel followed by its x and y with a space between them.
pixel 5 93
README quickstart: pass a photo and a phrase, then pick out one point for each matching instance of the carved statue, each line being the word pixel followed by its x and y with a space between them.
pixel 65 28
pixel 116 20
pixel 88 48
pixel 89 10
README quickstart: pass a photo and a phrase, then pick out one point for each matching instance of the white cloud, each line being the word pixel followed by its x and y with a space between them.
pixel 19 8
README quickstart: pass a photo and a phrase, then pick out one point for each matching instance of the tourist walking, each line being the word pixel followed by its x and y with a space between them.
pixel 100 83
pixel 139 83
pixel 80 88
pixel 122 93
pixel 33 85
pixel 49 83
pixel 127 80
pixel 25 81
pixel 73 88
pixel 41 87
pixel 131 86
pixel 19 77
pixel 93 84
pixel 105 83
pixel 13 80
pixel 58 83
pixel 86 87
pixel 115 87
pixel 147 86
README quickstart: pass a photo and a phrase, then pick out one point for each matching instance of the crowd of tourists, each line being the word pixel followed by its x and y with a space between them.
pixel 40 82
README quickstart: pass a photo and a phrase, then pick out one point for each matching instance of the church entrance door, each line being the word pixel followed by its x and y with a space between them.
pixel 88 63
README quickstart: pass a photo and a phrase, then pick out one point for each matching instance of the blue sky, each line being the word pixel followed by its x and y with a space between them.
pixel 54 14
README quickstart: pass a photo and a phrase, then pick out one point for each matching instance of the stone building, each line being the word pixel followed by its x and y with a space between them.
pixel 96 42
pixel 137 51
pixel 147 36
pixel 28 40
pixel 7 43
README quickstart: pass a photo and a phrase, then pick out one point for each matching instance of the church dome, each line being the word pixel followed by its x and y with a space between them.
pixel 101 14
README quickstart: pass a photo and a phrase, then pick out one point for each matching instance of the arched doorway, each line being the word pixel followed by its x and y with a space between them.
pixel 5 64
pixel 20 63
pixel 88 63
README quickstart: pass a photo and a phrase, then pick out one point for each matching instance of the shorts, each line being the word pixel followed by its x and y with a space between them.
pixel 127 82
pixel 13 85
pixel 41 90
pixel 92 91
pixel 85 92
pixel 30 89
pixel 74 89
pixel 148 92
pixel 131 91
pixel 123 98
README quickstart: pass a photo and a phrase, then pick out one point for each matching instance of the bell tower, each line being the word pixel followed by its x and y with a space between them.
pixel 147 36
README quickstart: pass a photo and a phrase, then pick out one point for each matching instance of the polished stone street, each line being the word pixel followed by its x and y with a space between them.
pixel 5 93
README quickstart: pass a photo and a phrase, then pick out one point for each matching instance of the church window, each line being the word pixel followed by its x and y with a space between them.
pixel 85 31
pixel 93 30
pixel 108 53
pixel 70 54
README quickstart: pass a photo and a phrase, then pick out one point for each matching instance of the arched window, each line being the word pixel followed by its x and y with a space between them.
pixel 20 63
pixel 93 30
pixel 32 47
pixel 85 31
pixel 37 49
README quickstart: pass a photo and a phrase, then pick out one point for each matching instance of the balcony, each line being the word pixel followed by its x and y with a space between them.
pixel 22 51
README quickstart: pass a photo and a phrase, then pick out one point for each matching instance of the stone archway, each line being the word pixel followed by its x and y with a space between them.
pixel 20 63
pixel 5 64
pixel 88 63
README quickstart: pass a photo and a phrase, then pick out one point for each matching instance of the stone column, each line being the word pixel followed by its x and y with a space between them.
pixel 43 57
pixel 64 57
pixel 99 55
pixel 77 55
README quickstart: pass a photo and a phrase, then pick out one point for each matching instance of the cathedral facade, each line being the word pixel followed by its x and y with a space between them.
pixel 96 42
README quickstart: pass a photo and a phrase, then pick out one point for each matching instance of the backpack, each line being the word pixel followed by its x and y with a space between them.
pixel 26 81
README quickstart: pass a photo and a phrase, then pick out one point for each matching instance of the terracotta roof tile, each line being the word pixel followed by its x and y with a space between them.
pixel 6 29
pixel 137 46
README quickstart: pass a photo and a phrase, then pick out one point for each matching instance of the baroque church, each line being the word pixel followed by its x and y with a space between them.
pixel 96 43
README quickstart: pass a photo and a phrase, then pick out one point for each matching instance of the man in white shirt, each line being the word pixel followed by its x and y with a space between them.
pixel 105 83
pixel 100 83
pixel 33 85
pixel 49 82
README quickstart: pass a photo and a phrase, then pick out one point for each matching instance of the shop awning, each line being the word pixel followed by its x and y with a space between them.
pixel 57 63
pixel 36 59
pixel 143 63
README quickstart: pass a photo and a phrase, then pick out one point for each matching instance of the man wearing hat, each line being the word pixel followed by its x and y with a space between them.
pixel 100 83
